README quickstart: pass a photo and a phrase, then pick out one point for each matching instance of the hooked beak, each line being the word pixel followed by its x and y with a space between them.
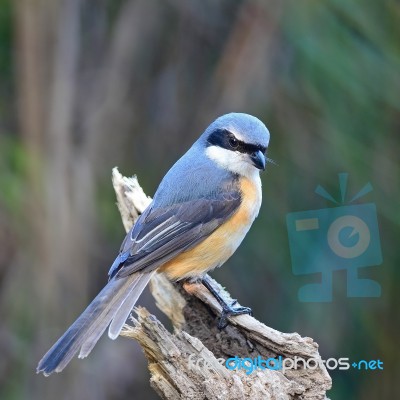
pixel 258 159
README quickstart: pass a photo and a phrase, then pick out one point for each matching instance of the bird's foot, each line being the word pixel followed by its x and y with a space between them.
pixel 229 311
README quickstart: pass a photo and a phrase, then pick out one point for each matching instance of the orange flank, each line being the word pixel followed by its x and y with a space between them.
pixel 222 243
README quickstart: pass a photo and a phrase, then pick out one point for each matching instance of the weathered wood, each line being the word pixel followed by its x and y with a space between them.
pixel 187 364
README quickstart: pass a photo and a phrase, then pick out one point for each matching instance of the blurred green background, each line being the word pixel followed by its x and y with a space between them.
pixel 86 86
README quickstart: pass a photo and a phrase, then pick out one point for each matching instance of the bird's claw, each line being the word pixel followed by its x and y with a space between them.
pixel 229 311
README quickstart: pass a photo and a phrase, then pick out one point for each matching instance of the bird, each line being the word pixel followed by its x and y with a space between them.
pixel 199 215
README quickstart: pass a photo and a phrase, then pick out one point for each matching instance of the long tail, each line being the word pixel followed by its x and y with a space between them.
pixel 112 305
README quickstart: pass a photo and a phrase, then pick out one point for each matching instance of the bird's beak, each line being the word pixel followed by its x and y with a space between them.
pixel 258 159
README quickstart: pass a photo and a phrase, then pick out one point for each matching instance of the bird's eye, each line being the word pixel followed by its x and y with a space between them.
pixel 233 142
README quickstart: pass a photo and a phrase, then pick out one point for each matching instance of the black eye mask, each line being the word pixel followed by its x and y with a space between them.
pixel 227 140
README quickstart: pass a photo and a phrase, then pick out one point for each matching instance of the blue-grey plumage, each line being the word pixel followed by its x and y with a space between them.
pixel 199 215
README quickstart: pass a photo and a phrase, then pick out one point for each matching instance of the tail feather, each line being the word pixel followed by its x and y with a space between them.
pixel 89 326
pixel 126 307
pixel 100 324
pixel 135 289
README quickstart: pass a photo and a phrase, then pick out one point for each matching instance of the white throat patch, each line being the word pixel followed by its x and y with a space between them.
pixel 232 161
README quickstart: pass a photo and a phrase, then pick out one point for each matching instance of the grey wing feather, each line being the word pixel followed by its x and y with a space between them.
pixel 165 232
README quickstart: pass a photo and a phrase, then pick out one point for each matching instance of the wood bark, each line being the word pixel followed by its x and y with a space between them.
pixel 188 363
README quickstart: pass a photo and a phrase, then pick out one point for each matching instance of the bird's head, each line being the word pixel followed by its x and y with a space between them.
pixel 237 142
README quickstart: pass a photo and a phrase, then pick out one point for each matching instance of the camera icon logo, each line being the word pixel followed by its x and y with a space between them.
pixel 349 226
pixel 345 237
